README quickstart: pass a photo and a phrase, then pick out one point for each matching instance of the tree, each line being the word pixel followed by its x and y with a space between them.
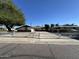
pixel 72 24
pixel 47 27
pixel 66 25
pixel 52 25
pixel 9 15
pixel 57 25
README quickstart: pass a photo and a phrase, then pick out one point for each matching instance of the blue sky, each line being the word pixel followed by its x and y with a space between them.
pixel 39 12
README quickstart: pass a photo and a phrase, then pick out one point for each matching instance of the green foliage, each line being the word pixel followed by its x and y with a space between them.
pixel 8 12
pixel 10 15
pixel 47 27
pixel 52 25
pixel 57 25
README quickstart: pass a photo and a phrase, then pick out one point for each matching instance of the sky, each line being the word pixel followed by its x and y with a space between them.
pixel 40 12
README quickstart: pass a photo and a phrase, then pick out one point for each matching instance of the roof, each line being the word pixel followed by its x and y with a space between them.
pixel 67 26
pixel 24 26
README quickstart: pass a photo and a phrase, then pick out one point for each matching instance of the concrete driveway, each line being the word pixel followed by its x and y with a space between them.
pixel 32 48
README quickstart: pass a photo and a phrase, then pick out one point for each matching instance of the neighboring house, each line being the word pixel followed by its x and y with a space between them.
pixel 24 28
pixel 39 28
pixel 3 28
pixel 65 29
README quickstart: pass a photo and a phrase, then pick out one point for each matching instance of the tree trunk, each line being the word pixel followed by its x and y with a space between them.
pixel 9 28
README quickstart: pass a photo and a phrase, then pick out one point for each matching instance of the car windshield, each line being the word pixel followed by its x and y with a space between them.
pixel 39 29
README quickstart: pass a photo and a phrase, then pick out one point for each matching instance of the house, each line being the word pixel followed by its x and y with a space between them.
pixel 39 28
pixel 25 28
pixel 65 29
pixel 3 28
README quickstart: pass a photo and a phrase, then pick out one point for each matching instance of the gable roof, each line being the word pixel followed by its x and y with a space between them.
pixel 24 26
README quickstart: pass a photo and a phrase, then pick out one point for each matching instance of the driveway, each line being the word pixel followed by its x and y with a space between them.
pixel 32 48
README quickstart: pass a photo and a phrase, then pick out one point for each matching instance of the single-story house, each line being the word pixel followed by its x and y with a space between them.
pixel 65 29
pixel 3 28
pixel 25 28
